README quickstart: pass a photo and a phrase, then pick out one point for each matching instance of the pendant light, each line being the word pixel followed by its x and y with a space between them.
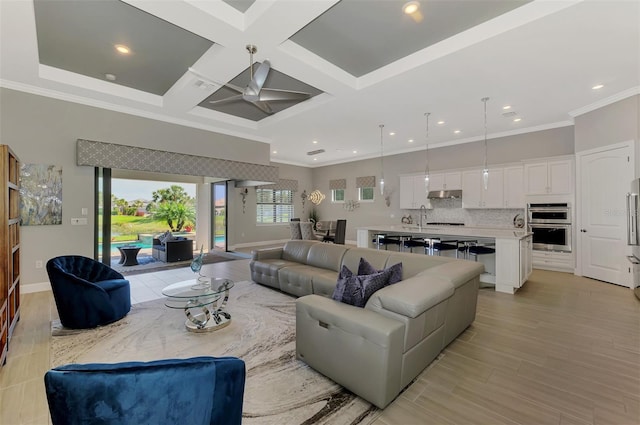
pixel 485 171
pixel 426 151
pixel 381 161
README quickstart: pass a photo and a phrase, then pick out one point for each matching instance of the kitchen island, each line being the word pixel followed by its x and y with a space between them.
pixel 513 248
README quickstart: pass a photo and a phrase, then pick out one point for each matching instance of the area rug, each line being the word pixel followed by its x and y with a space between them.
pixel 279 389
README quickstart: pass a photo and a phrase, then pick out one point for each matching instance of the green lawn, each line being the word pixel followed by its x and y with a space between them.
pixel 127 227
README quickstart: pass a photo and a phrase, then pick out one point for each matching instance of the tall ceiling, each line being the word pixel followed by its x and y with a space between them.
pixel 362 62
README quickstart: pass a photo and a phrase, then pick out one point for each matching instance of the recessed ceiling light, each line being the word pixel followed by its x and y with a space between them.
pixel 411 7
pixel 597 87
pixel 517 119
pixel 392 134
pixel 274 152
pixel 440 122
pixel 410 140
pixel 506 107
pixel 315 159
pixel 355 151
pixel 110 77
pixel 315 142
pixel 456 131
pixel 121 48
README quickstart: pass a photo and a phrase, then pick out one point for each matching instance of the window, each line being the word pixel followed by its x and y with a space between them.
pixel 365 194
pixel 274 206
pixel 337 195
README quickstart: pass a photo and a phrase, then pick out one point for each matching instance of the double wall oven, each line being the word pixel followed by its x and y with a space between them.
pixel 550 224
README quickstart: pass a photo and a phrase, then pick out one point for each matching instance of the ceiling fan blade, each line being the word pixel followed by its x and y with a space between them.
pixel 272 95
pixel 255 85
pixel 226 100
pixel 263 106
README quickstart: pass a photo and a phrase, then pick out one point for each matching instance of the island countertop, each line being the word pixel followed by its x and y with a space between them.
pixel 513 248
pixel 466 231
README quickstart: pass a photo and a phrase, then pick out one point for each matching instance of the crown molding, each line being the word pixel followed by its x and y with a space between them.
pixel 605 102
pixel 54 94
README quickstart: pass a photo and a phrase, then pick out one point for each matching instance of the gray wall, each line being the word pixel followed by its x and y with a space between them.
pixel 611 124
pixel 244 231
pixel 42 130
pixel 502 150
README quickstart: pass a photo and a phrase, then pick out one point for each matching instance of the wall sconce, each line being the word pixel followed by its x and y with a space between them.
pixel 316 197
pixel 351 205
pixel 304 197
pixel 244 192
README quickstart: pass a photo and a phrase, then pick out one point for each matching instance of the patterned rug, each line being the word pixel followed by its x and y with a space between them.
pixel 279 390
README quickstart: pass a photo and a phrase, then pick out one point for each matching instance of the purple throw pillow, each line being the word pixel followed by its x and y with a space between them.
pixel 366 268
pixel 356 290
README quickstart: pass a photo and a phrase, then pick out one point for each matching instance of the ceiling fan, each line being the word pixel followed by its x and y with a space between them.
pixel 254 92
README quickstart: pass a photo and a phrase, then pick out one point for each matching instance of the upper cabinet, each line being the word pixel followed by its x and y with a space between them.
pixel 549 177
pixel 413 192
pixel 474 195
pixel 445 181
pixel 514 187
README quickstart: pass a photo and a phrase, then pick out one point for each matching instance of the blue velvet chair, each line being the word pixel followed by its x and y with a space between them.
pixel 195 391
pixel 87 292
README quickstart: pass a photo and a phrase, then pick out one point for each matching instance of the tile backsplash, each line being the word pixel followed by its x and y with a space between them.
pixel 451 211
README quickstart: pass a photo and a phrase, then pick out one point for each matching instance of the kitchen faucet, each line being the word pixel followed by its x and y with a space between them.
pixel 423 211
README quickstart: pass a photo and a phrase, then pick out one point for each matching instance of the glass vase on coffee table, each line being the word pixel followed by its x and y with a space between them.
pixel 196 266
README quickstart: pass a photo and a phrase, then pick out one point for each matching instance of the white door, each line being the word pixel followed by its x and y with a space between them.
pixel 605 178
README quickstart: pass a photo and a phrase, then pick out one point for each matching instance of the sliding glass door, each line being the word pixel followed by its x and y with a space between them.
pixel 102 208
pixel 219 216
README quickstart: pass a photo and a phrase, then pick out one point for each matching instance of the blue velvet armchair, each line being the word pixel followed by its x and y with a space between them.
pixel 195 391
pixel 87 292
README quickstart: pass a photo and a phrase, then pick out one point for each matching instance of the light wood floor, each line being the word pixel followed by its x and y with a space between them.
pixel 563 350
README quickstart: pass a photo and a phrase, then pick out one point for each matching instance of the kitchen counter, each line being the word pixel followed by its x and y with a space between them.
pixel 513 248
pixel 466 231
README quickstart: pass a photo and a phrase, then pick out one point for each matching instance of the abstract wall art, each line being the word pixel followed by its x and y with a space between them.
pixel 40 194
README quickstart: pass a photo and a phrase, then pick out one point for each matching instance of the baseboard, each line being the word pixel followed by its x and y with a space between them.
pixel 35 287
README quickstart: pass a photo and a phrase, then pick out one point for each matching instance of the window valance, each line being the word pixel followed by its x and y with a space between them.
pixel 110 155
pixel 337 184
pixel 282 184
pixel 368 181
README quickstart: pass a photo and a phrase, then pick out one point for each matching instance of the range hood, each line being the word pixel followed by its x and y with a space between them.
pixel 444 194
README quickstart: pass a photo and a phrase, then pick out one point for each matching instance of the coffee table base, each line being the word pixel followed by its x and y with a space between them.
pixel 205 321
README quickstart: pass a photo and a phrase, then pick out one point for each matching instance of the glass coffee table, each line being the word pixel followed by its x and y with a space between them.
pixel 190 295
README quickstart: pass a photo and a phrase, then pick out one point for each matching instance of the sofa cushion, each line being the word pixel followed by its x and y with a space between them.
pixel 297 250
pixel 326 256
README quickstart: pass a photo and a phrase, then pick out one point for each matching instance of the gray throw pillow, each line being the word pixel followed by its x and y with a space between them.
pixel 364 267
pixel 295 230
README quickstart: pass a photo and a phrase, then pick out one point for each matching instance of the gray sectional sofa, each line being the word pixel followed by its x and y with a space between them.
pixel 375 351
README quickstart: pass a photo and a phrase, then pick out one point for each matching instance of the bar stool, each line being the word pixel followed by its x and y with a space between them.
pixel 415 243
pixel 449 245
pixel 476 250
pixel 392 240
pixel 378 240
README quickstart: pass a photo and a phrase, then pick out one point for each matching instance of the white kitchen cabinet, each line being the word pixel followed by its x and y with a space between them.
pixel 526 260
pixel 413 192
pixel 445 181
pixel 474 195
pixel 549 177
pixel 514 187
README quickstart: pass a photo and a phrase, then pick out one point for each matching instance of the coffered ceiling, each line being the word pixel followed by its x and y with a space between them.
pixel 362 62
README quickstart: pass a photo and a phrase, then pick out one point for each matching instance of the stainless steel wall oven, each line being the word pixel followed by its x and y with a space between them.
pixel 550 224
